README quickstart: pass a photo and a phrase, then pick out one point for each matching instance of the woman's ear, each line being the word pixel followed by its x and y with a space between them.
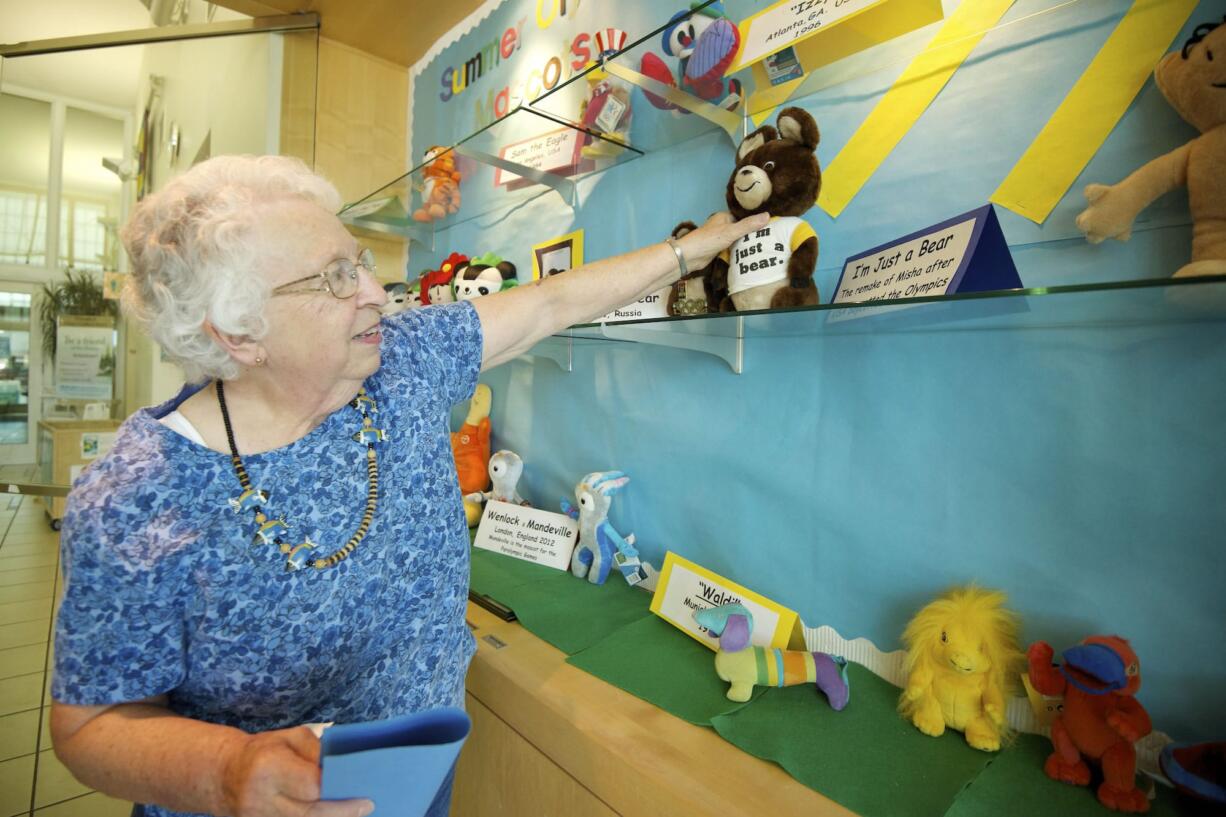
pixel 244 350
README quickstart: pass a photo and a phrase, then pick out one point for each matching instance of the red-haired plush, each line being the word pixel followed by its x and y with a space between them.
pixel 436 286
pixel 1101 719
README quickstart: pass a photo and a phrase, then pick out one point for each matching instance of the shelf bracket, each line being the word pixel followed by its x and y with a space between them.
pixel 685 335
pixel 558 349
pixel 562 186
pixel 423 234
pixel 730 122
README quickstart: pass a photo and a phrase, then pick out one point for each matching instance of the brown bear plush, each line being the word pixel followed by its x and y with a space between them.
pixel 777 173
pixel 701 291
pixel 1193 80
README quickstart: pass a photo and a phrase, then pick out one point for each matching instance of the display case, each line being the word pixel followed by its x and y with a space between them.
pixel 1057 440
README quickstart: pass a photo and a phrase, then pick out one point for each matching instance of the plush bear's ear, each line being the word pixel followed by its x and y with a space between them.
pixel 507 269
pixel 684 228
pixel 756 140
pixel 797 125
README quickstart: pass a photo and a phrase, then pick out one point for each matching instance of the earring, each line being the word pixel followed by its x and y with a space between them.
pixel 259 361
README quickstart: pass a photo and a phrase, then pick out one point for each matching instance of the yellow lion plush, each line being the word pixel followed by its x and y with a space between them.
pixel 962 654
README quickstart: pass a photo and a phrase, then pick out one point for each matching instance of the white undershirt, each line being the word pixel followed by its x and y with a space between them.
pixel 175 421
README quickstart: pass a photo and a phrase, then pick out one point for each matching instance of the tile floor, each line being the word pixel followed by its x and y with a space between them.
pixel 32 780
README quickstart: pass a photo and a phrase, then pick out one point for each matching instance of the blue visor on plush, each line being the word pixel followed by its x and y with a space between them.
pixel 1099 662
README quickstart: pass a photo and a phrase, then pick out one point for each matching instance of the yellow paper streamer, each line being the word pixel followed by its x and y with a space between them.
pixel 903 104
pixel 1092 109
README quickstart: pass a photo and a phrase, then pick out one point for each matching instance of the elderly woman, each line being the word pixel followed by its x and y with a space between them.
pixel 283 542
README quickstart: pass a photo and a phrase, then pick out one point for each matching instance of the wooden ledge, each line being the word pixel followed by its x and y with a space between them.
pixel 638 759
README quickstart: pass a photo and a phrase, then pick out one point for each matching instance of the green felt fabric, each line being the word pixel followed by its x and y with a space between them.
pixel 866 757
pixel 1014 784
pixel 653 660
pixel 569 613
pixel 495 575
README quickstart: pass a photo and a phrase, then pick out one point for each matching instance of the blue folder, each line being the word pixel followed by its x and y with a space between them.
pixel 399 763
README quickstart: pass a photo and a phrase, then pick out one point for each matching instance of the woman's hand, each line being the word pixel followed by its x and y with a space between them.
pixel 276 774
pixel 721 230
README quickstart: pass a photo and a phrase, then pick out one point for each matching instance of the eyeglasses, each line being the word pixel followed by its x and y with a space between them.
pixel 339 279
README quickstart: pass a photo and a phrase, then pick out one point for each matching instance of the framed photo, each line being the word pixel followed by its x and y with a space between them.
pixel 557 255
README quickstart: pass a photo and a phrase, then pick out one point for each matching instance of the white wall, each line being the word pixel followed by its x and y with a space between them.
pixel 217 88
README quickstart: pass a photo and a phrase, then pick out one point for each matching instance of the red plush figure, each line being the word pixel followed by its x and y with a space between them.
pixel 1101 719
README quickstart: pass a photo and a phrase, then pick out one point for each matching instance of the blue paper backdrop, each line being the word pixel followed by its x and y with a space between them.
pixel 854 476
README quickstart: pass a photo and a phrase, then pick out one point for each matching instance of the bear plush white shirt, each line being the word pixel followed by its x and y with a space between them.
pixel 762 256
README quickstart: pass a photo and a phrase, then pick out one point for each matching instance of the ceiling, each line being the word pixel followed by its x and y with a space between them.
pixel 400 31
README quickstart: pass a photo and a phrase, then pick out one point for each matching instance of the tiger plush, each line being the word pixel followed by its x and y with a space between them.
pixel 440 192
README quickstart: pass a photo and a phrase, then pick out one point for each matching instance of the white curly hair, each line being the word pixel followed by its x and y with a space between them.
pixel 194 257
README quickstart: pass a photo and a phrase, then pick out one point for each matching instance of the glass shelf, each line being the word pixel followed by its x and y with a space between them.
pixel 526 130
pixel 521 156
pixel 1150 302
pixel 657 125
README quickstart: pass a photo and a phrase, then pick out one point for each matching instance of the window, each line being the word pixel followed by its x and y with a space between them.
pixel 23 228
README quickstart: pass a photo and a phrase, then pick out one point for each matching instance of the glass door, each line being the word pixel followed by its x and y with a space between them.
pixel 20 376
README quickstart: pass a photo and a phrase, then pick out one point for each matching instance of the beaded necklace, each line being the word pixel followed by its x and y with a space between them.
pixel 271 531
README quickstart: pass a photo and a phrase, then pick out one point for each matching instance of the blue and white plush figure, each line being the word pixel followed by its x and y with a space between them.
pixel 593 557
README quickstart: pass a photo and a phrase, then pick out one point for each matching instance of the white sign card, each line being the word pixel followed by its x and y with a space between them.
pixel 784 23
pixel 650 306
pixel 966 253
pixel 530 534
pixel 97 443
pixel 556 151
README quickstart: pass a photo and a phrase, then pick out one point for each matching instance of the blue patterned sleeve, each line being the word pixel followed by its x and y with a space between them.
pixel 436 349
pixel 120 632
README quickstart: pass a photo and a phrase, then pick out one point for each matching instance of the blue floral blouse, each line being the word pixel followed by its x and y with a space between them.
pixel 164 592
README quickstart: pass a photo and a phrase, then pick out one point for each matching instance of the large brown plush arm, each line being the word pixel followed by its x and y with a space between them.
pixel 1114 208
pixel 802 263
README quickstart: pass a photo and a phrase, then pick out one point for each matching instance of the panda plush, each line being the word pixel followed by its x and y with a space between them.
pixel 484 275
pixel 777 173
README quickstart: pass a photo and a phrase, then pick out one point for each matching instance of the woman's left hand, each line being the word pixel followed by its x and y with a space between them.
pixel 716 235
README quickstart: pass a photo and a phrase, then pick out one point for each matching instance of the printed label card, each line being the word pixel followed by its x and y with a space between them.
pixel 966 253
pixel 531 534
pixel 685 587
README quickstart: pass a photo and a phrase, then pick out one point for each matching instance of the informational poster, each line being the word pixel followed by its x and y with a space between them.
pixel 84 357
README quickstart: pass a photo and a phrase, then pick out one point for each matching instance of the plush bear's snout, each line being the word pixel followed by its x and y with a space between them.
pixel 752 187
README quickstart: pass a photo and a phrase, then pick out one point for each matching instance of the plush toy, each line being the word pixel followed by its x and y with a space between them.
pixel 600 545
pixel 606 109
pixel 705 42
pixel 701 291
pixel 962 654
pixel 1197 772
pixel 744 666
pixel 505 470
pixel 471 448
pixel 436 286
pixel 1101 719
pixel 440 191
pixel 1193 80
pixel 401 296
pixel 483 275
pixel 777 173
